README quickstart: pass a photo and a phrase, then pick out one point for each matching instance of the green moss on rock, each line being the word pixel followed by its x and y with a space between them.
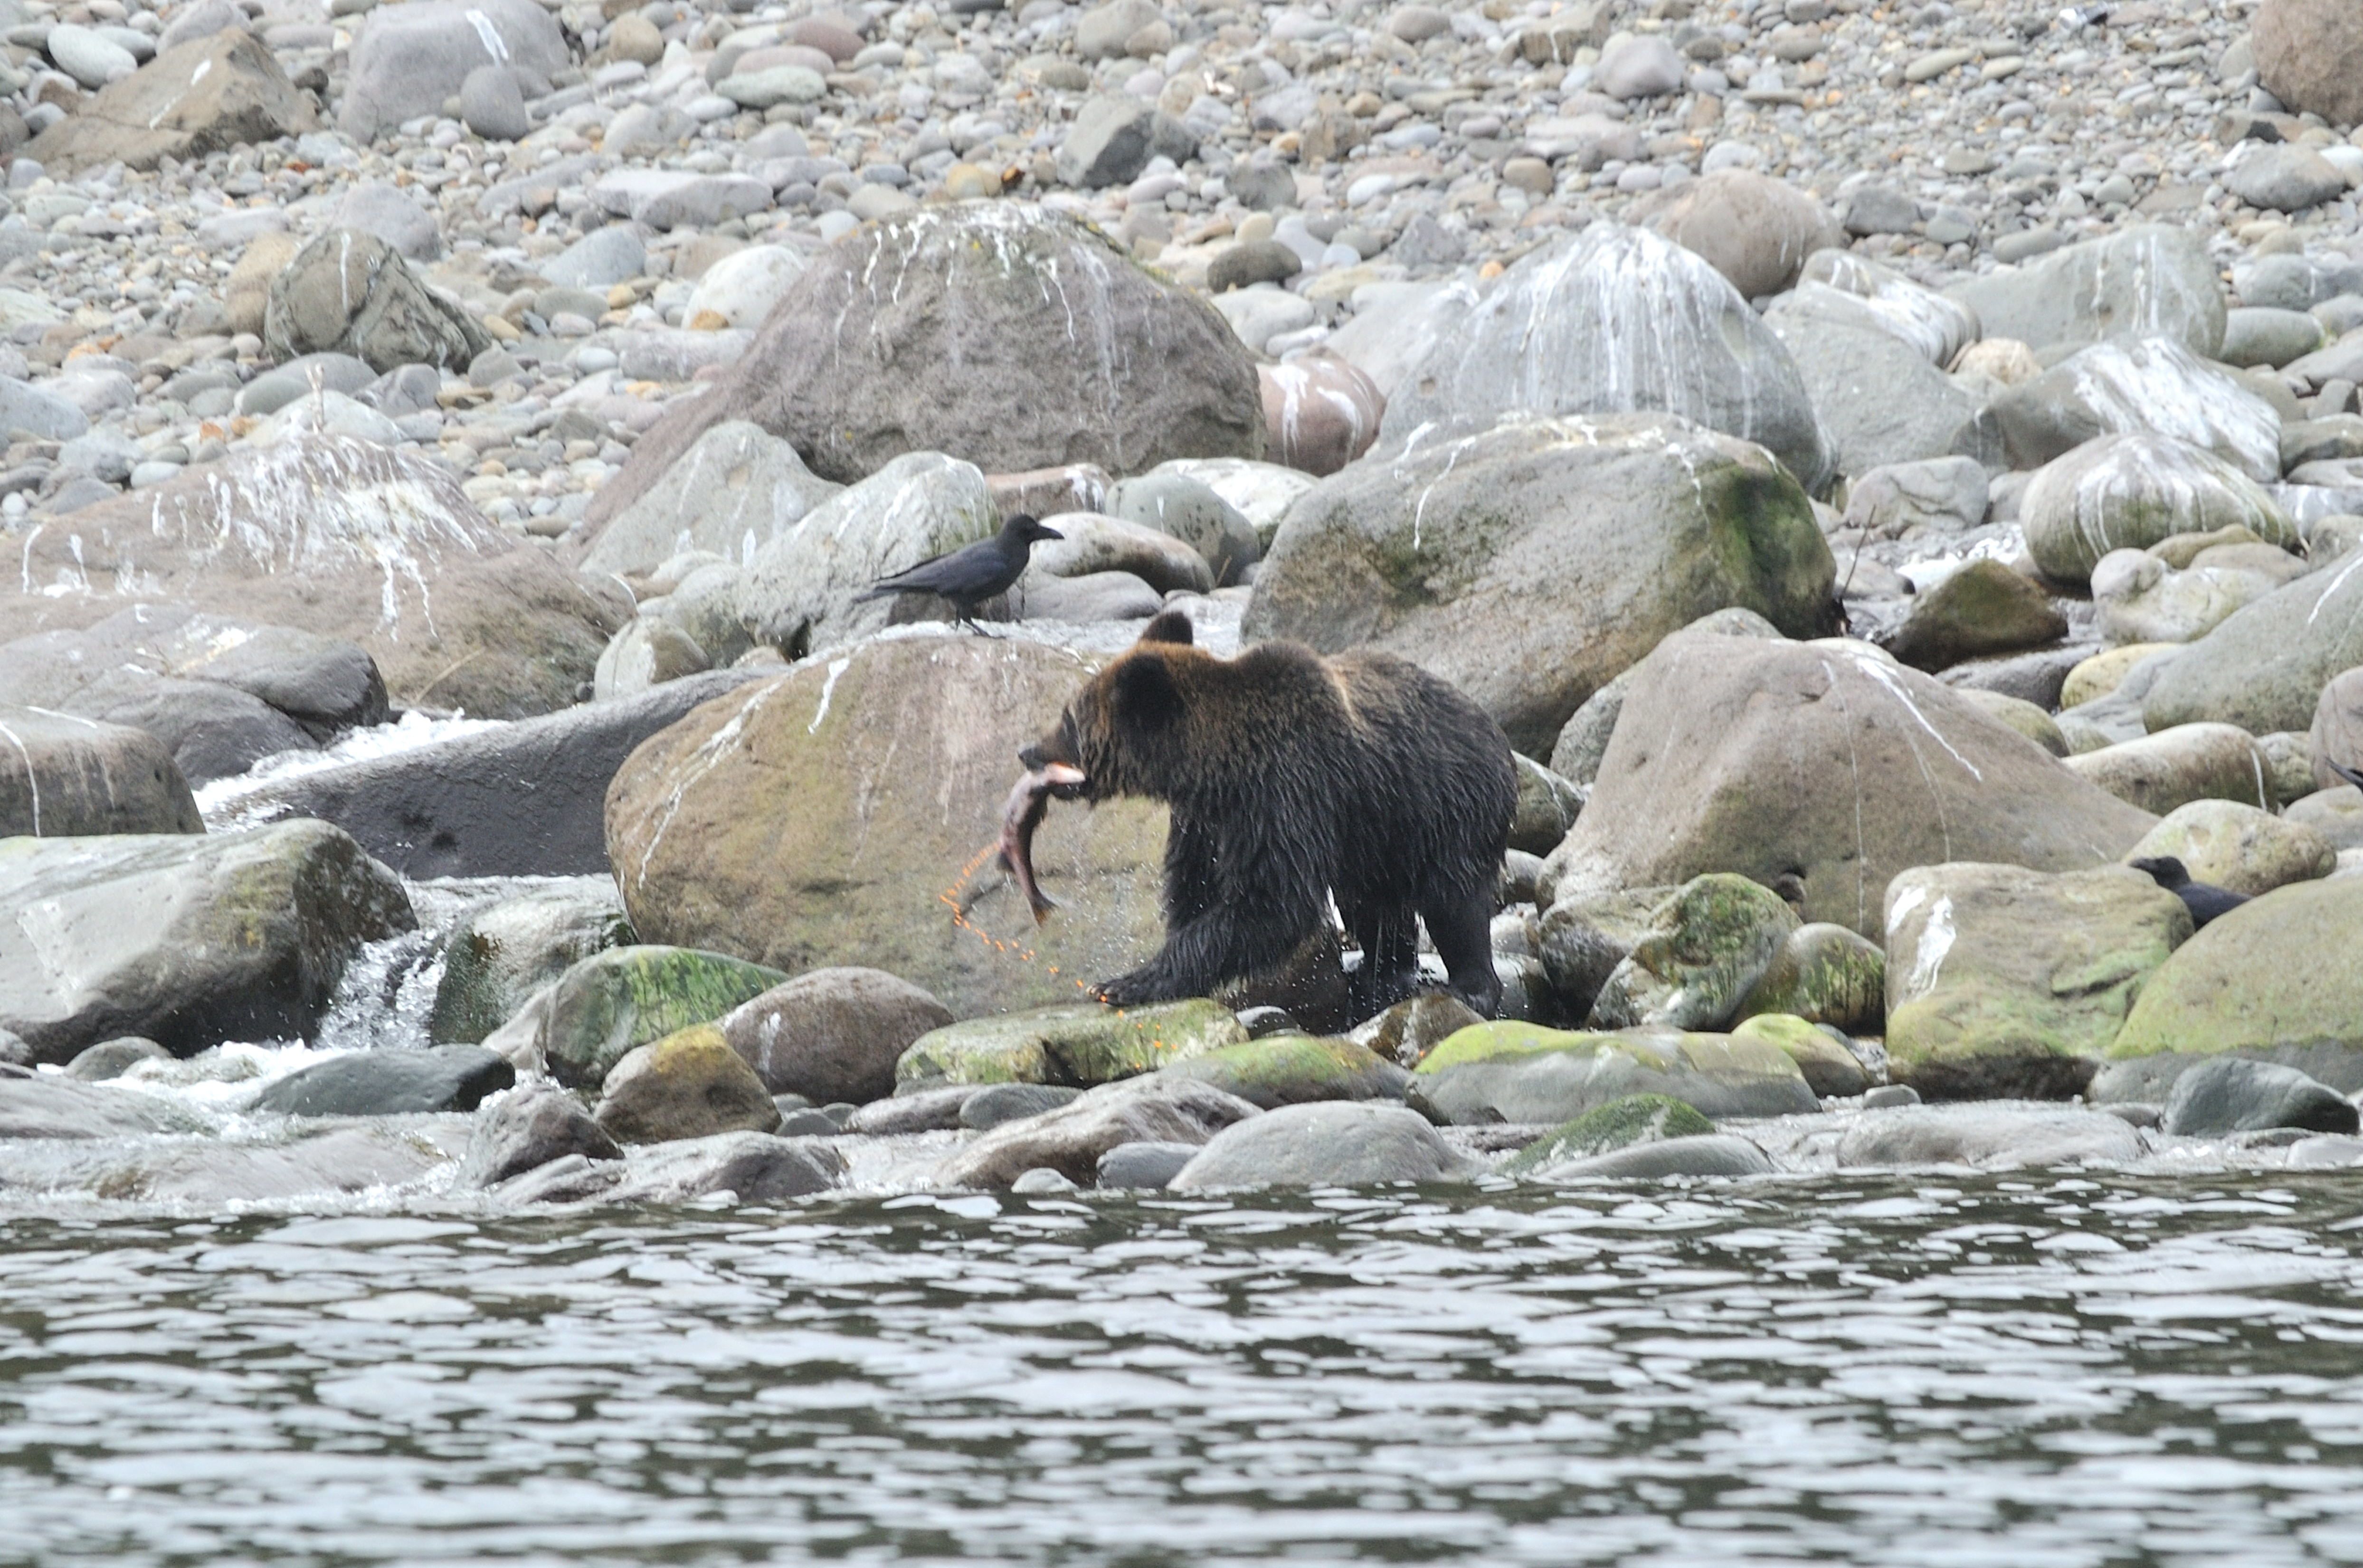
pixel 1620 1124
pixel 625 997
pixel 1079 1044
pixel 1291 1069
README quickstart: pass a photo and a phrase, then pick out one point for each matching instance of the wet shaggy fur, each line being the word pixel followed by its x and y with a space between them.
pixel 1293 778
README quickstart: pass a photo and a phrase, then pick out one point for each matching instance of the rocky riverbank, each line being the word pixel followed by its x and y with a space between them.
pixel 1894 473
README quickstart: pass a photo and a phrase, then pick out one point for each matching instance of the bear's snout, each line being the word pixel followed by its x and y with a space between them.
pixel 1031 758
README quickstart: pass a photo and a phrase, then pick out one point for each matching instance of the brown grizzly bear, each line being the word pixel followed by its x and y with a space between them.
pixel 1293 779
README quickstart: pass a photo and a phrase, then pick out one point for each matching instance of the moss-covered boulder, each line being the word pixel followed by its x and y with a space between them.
pixel 1081 1044
pixel 2229 845
pixel 1636 1118
pixel 2275 975
pixel 845 813
pixel 612 1001
pixel 1824 974
pixel 1705 948
pixel 1829 1067
pixel 1521 1072
pixel 1531 561
pixel 1983 608
pixel 498 955
pixel 690 1083
pixel 2004 982
pixel 1294 1069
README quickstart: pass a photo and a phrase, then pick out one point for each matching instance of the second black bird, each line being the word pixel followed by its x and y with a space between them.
pixel 2205 901
pixel 970 576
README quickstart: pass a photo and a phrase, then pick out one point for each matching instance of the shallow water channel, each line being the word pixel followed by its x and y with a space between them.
pixel 2029 1371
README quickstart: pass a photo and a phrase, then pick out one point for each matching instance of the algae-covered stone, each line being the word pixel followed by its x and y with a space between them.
pixel 1829 1067
pixel 690 1083
pixel 1620 1124
pixel 1078 1044
pixel 1520 1072
pixel 1824 974
pixel 2239 846
pixel 1983 608
pixel 2003 981
pixel 610 1002
pixel 1705 948
pixel 844 813
pixel 2278 971
pixel 498 955
pixel 1293 1069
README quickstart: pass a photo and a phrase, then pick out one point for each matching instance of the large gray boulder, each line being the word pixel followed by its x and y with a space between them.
pixel 344 539
pixel 2150 281
pixel 1826 761
pixel 2132 491
pixel 63 777
pixel 186 940
pixel 832 1034
pixel 996 331
pixel 1880 398
pixel 736 489
pixel 1610 321
pixel 2265 666
pixel 524 800
pixel 803 590
pixel 1532 561
pixel 1938 327
pixel 408 59
pixel 2150 385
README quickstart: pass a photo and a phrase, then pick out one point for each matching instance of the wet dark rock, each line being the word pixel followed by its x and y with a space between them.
pixel 392 1082
pixel 62 776
pixel 529 1130
pixel 524 800
pixel 1145 1165
pixel 997 1103
pixel 2232 1094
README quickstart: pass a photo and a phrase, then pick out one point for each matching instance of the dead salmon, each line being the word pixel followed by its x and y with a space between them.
pixel 1029 803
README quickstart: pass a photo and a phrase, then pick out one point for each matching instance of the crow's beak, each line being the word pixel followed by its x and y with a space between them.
pixel 1049 534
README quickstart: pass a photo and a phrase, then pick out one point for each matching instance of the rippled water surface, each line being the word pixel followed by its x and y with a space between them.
pixel 2026 1372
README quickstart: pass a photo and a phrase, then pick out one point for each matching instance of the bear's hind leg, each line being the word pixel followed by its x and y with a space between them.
pixel 1389 937
pixel 1222 944
pixel 1463 929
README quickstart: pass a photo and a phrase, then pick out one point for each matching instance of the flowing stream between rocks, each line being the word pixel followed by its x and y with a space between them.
pixel 2034 1370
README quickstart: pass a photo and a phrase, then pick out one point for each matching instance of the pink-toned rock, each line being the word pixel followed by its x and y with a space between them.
pixel 1320 412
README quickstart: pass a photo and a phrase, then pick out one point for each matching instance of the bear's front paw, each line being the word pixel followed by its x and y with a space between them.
pixel 1126 991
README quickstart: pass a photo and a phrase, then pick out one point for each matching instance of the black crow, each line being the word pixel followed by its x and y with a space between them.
pixel 970 576
pixel 2349 774
pixel 2204 899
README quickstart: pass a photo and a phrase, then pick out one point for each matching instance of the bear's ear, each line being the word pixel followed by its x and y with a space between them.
pixel 1144 697
pixel 1169 626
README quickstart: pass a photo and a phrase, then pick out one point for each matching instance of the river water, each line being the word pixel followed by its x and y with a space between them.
pixel 2024 1371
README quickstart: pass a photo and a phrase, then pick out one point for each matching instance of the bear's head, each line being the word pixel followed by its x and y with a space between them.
pixel 1124 731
